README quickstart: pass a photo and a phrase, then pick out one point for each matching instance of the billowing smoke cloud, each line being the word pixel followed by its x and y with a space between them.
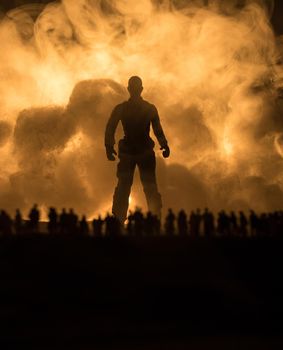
pixel 213 69
pixel 5 132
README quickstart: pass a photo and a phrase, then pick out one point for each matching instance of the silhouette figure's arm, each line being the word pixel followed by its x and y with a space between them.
pixel 157 128
pixel 111 127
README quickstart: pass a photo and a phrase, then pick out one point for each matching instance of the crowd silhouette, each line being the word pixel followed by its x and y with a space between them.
pixel 197 224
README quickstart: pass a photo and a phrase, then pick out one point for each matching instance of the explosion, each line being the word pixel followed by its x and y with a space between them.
pixel 212 68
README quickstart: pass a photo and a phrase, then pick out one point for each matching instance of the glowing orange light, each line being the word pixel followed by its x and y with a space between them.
pixel 190 55
pixel 228 147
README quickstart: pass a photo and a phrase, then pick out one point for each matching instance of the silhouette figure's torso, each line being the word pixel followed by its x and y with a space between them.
pixel 135 118
pixel 136 115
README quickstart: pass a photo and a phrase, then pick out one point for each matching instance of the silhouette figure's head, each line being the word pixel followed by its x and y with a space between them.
pixel 135 86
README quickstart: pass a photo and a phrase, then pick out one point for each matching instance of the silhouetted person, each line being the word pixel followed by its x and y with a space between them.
pixel 112 226
pixel 198 222
pixel 193 224
pixel 34 217
pixel 254 223
pixel 233 227
pixel 84 229
pixel 5 223
pixel 208 223
pixel 72 222
pixel 273 223
pixel 149 221
pixel 280 224
pixel 135 149
pixel 182 223
pixel 138 222
pixel 130 224
pixel 53 221
pixel 263 225
pixel 97 225
pixel 243 224
pixel 63 221
pixel 170 223
pixel 223 223
pixel 157 225
pixel 18 223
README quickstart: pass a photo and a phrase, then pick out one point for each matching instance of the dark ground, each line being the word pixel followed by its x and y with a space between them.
pixel 151 293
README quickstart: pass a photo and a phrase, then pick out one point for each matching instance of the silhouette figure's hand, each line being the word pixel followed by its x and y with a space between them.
pixel 166 151
pixel 110 152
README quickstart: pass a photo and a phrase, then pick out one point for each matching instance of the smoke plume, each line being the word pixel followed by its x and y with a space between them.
pixel 213 69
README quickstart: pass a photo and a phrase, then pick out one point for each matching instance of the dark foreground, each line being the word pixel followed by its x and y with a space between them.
pixel 147 293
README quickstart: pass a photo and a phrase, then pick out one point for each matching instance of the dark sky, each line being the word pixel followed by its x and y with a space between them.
pixel 277 18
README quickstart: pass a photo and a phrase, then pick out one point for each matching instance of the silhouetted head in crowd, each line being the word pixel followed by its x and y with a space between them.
pixel 135 86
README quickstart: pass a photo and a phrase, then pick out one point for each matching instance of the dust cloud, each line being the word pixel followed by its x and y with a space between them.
pixel 213 69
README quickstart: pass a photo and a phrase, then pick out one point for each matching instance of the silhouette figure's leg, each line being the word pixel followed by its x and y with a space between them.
pixel 125 174
pixel 147 165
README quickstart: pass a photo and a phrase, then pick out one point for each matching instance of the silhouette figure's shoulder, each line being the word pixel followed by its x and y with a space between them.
pixel 149 107
pixel 119 107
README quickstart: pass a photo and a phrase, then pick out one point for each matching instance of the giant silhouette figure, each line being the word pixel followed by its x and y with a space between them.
pixel 135 149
